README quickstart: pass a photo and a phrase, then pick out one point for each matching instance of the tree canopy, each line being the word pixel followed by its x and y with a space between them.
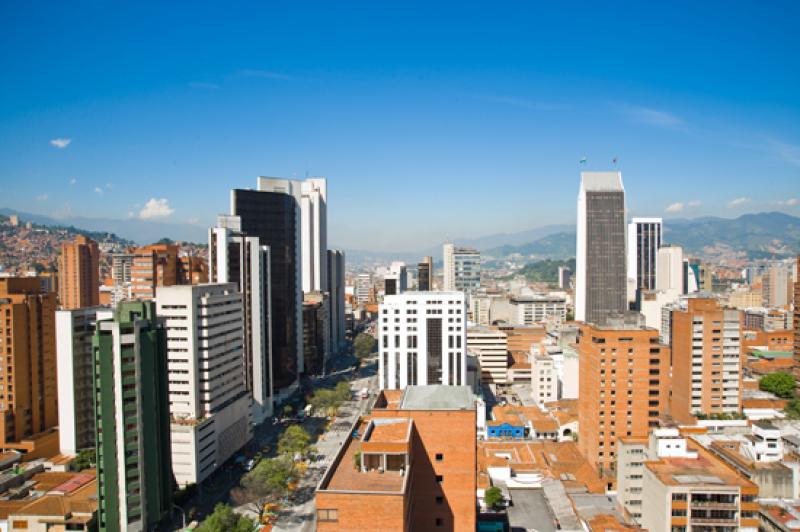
pixel 294 440
pixel 493 497
pixel 364 344
pixel 224 519
pixel 781 384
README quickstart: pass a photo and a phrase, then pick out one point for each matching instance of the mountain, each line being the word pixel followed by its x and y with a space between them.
pixel 759 235
pixel 139 231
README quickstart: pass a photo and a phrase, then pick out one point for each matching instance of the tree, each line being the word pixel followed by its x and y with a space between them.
pixel 792 409
pixel 364 344
pixel 342 391
pixel 224 519
pixel 781 384
pixel 493 497
pixel 288 410
pixel 86 459
pixel 295 440
pixel 268 481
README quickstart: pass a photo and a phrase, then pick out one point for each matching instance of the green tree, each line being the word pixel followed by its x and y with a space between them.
pixel 267 482
pixel 342 391
pixel 792 409
pixel 493 497
pixel 364 344
pixel 86 459
pixel 781 384
pixel 295 440
pixel 224 519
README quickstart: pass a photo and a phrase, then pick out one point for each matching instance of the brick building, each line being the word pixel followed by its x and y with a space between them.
pixel 79 274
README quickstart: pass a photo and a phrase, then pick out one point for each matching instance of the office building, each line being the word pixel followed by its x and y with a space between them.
pixel 316 335
pixel 624 387
pixel 153 265
pixel 336 282
pixel 776 287
pixel 272 213
pixel 363 288
pixel 75 361
pixel 706 360
pixel 411 466
pixel 422 339
pixel 134 469
pixel 27 336
pixel 209 404
pixel 425 275
pixel 564 278
pixel 234 257
pixel 670 275
pixel 314 229
pixel 644 240
pixel 79 274
pixel 600 277
pixel 396 281
pixel 121 268
pixel 491 348
pixel 533 309
pixel 462 269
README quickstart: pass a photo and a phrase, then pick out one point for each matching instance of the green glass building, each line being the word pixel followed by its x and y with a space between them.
pixel 134 469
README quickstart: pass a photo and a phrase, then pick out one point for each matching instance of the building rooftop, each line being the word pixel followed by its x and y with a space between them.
pixel 437 397
pixel 705 470
pixel 602 181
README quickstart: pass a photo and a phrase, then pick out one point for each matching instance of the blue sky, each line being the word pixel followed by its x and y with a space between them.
pixel 429 119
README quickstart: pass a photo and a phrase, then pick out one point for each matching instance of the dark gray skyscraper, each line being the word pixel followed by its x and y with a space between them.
pixel 425 275
pixel 600 279
pixel 644 240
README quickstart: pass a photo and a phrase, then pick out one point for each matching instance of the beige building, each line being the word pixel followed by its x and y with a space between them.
pixel 544 379
pixel 491 348
pixel 79 274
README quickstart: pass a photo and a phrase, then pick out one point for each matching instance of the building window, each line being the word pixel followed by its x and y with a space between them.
pixel 328 515
pixel 439 500
pixel 439 457
pixel 439 522
pixel 440 479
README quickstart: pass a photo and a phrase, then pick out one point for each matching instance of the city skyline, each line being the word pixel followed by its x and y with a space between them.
pixel 160 128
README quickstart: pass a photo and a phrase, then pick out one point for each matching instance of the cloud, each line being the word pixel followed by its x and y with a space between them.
pixel 788 152
pixel 73 181
pixel 738 202
pixel 650 117
pixel 61 143
pixel 98 190
pixel 42 197
pixel 675 207
pixel 203 85
pixel 791 202
pixel 526 104
pixel 267 74
pixel 156 208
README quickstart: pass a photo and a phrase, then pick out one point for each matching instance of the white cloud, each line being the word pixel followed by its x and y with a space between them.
pixel 98 190
pixel 650 117
pixel 791 202
pixel 738 202
pixel 61 143
pixel 43 197
pixel 675 207
pixel 156 208
pixel 73 181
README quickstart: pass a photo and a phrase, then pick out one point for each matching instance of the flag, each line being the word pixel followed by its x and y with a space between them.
pixel 583 160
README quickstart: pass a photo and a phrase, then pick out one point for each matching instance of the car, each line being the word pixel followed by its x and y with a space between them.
pixel 250 464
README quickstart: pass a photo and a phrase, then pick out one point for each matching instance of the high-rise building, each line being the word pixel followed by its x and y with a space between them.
pixel 121 267
pixel 670 274
pixel 796 320
pixel 396 281
pixel 564 278
pixel 234 257
pixel 336 287
pixel 316 336
pixel 28 338
pixel 644 239
pixel 544 378
pixel 776 287
pixel 410 467
pixel 314 228
pixel 600 280
pixel 425 275
pixel 153 265
pixel 624 387
pixel 272 213
pixel 79 273
pixel 209 404
pixel 491 347
pixel 363 288
pixel 423 339
pixel 75 360
pixel 462 269
pixel 706 360
pixel 134 469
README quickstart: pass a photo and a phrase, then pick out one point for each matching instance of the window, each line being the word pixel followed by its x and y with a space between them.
pixel 440 479
pixel 328 515
pixel 439 500
pixel 439 521
pixel 439 457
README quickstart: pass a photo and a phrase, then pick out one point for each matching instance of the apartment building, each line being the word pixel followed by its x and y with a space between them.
pixel 153 265
pixel 624 377
pixel 122 268
pixel 533 309
pixel 75 360
pixel 29 406
pixel 79 273
pixel 410 467
pixel 209 404
pixel 363 288
pixel 462 269
pixel 776 287
pixel 422 339
pixel 131 404
pixel 796 320
pixel 491 348
pixel 544 378
pixel 706 359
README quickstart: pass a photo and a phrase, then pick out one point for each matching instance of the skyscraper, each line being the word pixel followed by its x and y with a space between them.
pixel 462 269
pixel 671 270
pixel 29 405
pixel 425 275
pixel 241 259
pixel 796 320
pixel 600 281
pixel 314 224
pixel 396 281
pixel 79 273
pixel 644 239
pixel 74 332
pixel 336 284
pixel 134 469
pixel 208 402
pixel 272 213
pixel 153 265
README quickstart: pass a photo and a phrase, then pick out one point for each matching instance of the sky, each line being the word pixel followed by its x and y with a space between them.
pixel 429 119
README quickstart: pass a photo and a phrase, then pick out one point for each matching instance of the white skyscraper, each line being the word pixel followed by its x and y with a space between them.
pixel 74 359
pixel 423 339
pixel 462 269
pixel 314 215
pixel 363 286
pixel 396 281
pixel 236 258
pixel 670 269
pixel 208 402
pixel 600 277
pixel 644 240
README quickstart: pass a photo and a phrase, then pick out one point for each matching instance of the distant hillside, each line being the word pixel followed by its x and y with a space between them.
pixel 545 271
pixel 758 235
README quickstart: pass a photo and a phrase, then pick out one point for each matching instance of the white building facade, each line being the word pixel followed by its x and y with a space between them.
pixel 422 339
pixel 491 348
pixel 530 310
pixel 669 269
